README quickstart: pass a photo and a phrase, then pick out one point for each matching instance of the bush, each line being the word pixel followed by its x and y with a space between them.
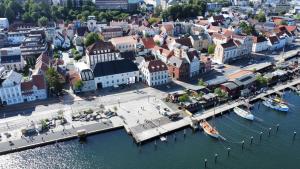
pixel 183 98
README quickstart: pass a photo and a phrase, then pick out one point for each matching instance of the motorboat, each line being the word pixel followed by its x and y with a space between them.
pixel 208 129
pixel 163 139
pixel 276 105
pixel 243 113
pixel 279 100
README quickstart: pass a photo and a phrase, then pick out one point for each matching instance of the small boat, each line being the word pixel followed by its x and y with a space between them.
pixel 163 139
pixel 208 129
pixel 275 105
pixel 243 113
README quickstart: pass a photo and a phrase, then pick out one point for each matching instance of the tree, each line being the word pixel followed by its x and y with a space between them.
pixel 247 29
pixel 262 80
pixel 9 14
pixel 183 98
pixel 220 93
pixel 53 80
pixel 211 49
pixel 153 20
pixel 91 38
pixel 157 43
pixel 261 17
pixel 56 55
pixel 26 17
pixel 283 22
pixel 43 21
pixel 69 4
pixel 77 56
pixel 201 82
pixel 78 85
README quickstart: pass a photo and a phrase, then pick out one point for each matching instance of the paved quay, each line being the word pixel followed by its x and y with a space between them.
pixel 50 137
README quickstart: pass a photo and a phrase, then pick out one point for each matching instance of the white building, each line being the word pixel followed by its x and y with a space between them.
pixel 86 76
pixel 34 89
pixel 260 43
pixel 154 72
pixel 101 52
pixel 115 73
pixel 193 59
pixel 225 52
pixel 15 38
pixel 10 87
pixel 4 24
pixel 125 43
pixel 11 58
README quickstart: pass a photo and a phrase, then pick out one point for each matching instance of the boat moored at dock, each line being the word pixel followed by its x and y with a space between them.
pixel 208 129
pixel 276 105
pixel 243 113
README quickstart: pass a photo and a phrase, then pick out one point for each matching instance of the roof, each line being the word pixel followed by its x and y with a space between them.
pixel 100 45
pixel 39 81
pixel 114 67
pixel 175 61
pixel 239 74
pixel 112 29
pixel 148 43
pixel 124 39
pixel 259 39
pixel 73 77
pixel 168 26
pixel 218 17
pixel 184 41
pixel 230 85
pixel 163 51
pixel 156 66
pixel 273 39
pixel 228 44
pixel 130 55
pixel 81 31
pixel 26 86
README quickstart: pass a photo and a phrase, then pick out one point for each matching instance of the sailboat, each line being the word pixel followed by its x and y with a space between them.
pixel 243 113
pixel 208 129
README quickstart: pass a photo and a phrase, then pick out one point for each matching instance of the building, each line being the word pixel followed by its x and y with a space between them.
pixel 274 43
pixel 3 40
pixel 201 41
pixel 115 73
pixel 125 43
pixel 11 58
pixel 99 52
pixel 4 24
pixel 109 32
pixel 112 4
pixel 225 52
pixel 167 28
pixel 16 38
pixel 33 46
pixel 154 72
pixel 162 53
pixel 86 75
pixel 34 89
pixel 10 87
pixel 260 43
pixel 179 68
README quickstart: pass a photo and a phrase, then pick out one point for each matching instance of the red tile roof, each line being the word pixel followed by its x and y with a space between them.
pixel 26 86
pixel 148 43
pixel 156 66
pixel 39 81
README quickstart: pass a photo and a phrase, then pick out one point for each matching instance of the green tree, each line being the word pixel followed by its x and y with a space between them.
pixel 262 80
pixel 26 17
pixel 77 56
pixel 53 80
pixel 9 14
pixel 261 17
pixel 153 20
pixel 55 55
pixel 211 49
pixel 220 93
pixel 201 82
pixel 78 85
pixel 183 98
pixel 91 38
pixel 69 4
pixel 43 21
pixel 283 22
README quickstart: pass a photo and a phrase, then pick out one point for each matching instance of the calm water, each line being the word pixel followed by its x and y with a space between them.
pixel 115 150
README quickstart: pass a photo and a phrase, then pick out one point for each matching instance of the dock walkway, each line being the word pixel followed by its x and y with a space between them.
pixel 53 137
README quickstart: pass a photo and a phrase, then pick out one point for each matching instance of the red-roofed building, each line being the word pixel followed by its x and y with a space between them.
pixel 35 89
pixel 154 72
pixel 162 53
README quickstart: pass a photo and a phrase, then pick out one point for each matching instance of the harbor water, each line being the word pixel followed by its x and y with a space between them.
pixel 116 150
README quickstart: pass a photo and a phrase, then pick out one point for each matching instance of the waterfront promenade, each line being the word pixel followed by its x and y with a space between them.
pixel 66 133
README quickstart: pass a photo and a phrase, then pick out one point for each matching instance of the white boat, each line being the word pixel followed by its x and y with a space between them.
pixel 243 113
pixel 163 139
pixel 275 105
pixel 208 129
